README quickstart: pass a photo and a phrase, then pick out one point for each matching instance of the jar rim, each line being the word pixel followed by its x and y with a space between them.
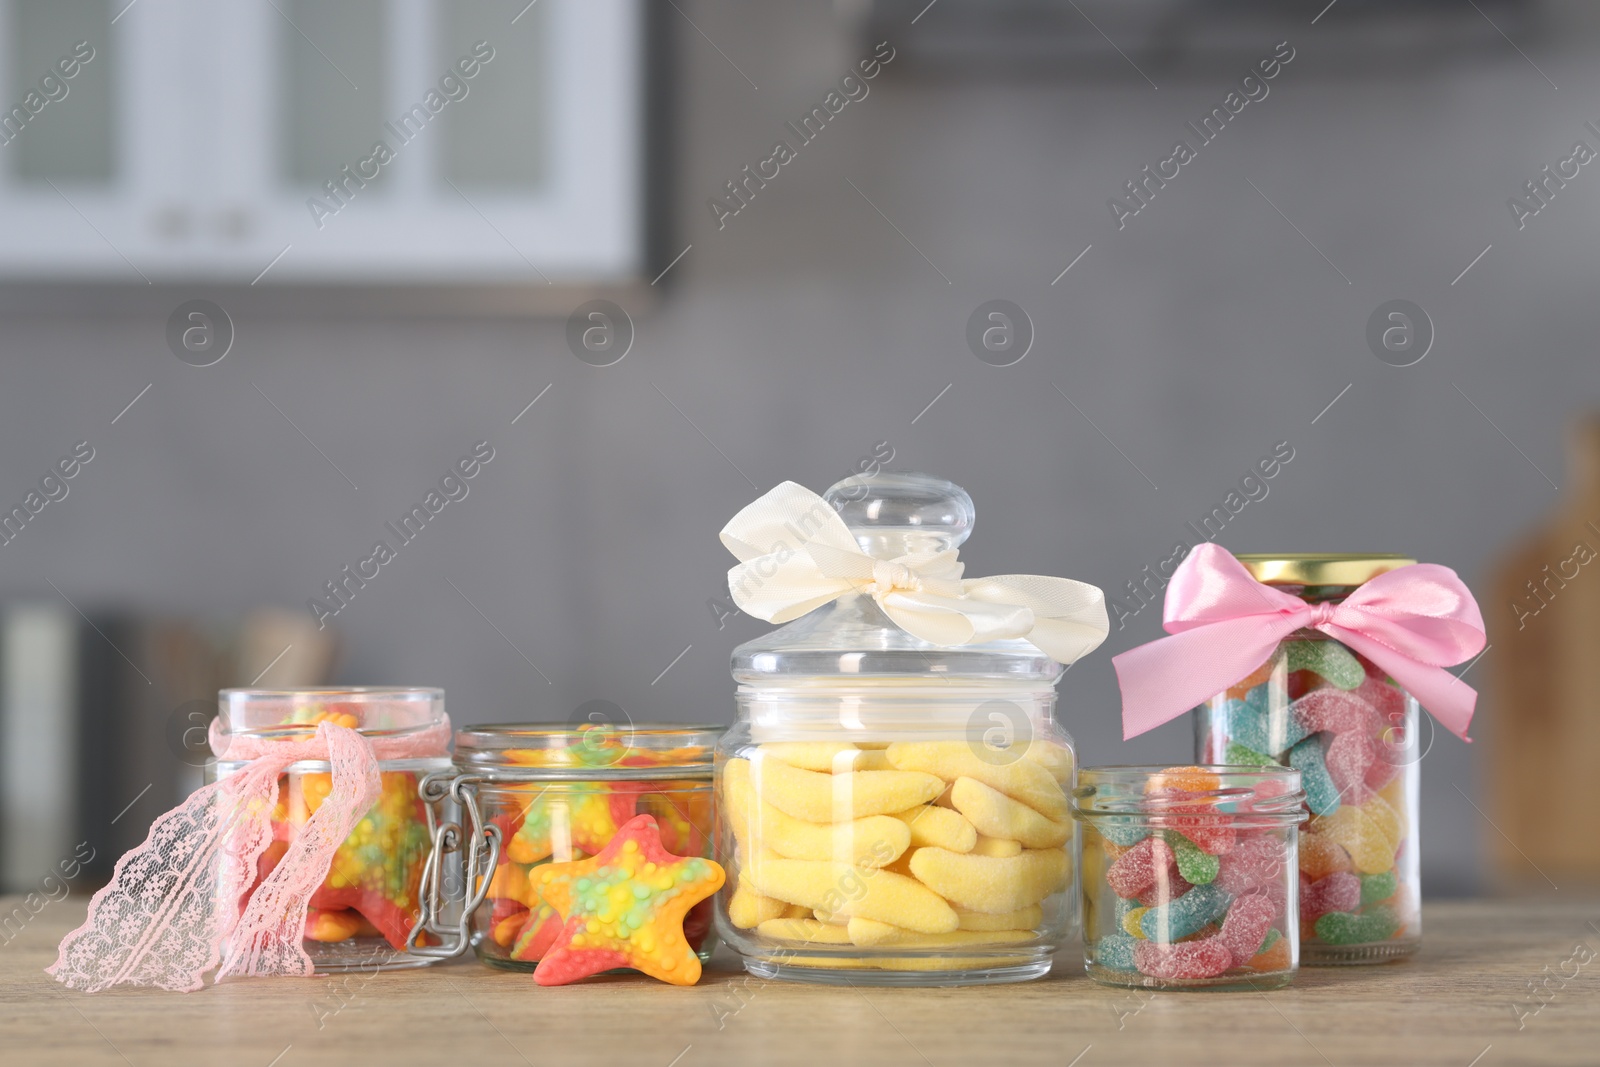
pixel 1125 792
pixel 1321 568
pixel 291 713
pixel 534 751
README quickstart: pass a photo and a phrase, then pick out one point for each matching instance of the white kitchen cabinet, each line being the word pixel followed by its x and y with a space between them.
pixel 236 142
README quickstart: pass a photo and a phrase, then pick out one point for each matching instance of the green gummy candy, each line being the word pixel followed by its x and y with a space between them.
pixel 1273 933
pixel 1329 659
pixel 1376 887
pixel 1197 866
pixel 1348 928
pixel 1240 755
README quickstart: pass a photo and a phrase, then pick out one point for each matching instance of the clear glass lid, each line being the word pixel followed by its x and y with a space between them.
pixel 850 640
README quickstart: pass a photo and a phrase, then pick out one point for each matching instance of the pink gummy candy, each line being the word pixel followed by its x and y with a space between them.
pixel 1136 869
pixel 1185 959
pixel 1253 863
pixel 1336 711
pixel 1168 886
pixel 1339 891
pixel 1212 834
pixel 1348 758
pixel 1245 926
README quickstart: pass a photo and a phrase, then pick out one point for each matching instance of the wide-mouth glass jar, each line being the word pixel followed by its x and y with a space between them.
pixel 541 794
pixel 1189 875
pixel 1352 732
pixel 362 913
pixel 892 811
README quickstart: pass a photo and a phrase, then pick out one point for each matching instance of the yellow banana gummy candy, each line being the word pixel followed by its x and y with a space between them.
pixel 818 797
pixel 840 889
pixel 991 884
pixel 944 827
pixel 997 815
pixel 1020 779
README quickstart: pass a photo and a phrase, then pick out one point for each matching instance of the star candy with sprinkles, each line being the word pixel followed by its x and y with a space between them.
pixel 625 908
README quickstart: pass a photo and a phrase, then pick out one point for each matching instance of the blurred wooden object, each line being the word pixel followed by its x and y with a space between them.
pixel 1542 730
pixel 282 649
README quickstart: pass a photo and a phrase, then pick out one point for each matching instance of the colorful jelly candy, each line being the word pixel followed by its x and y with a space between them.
pixel 1194 959
pixel 1241 756
pixel 1333 711
pixel 1253 725
pixel 1320 856
pixel 1377 923
pixel 625 907
pixel 1244 928
pixel 1348 758
pixel 1339 891
pixel 1115 951
pixel 1377 887
pixel 1197 866
pixel 1252 864
pixel 1185 915
pixel 1329 660
pixel 1310 759
pixel 1136 869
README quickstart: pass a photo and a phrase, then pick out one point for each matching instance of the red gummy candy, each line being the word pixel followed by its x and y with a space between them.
pixel 1339 891
pixel 1136 869
pixel 1246 925
pixel 1349 757
pixel 1188 959
pixel 1253 863
pixel 1336 711
pixel 1213 834
pixel 1168 886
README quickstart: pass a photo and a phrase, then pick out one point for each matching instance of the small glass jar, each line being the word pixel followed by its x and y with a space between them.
pixel 362 915
pixel 1352 732
pixel 538 794
pixel 892 811
pixel 1189 875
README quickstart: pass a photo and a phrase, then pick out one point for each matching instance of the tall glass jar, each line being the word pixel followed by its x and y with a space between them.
pixel 892 811
pixel 1352 733
pixel 362 914
pixel 539 794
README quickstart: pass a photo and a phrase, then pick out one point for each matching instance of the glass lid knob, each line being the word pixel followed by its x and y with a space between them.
pixel 893 513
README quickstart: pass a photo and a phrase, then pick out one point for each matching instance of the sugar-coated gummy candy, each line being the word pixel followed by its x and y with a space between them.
pixel 873 841
pixel 939 827
pixel 1251 864
pixel 1168 886
pixel 996 815
pixel 1020 779
pixel 1334 711
pixel 1340 891
pixel 1274 955
pixel 1308 757
pixel 1197 866
pixel 1027 918
pixel 1187 779
pixel 824 756
pixel 1244 928
pixel 1136 869
pixel 1242 687
pixel 1185 915
pixel 822 798
pixel 1115 952
pixel 1194 959
pixel 868 932
pixel 1371 851
pixel 1242 755
pixel 1057 759
pixel 748 909
pixel 1377 923
pixel 1320 856
pixel 992 883
pixel 1197 821
pixel 1131 921
pixel 1329 660
pixel 996 846
pixel 807 930
pixel 1124 836
pixel 1377 887
pixel 1253 725
pixel 842 889
pixel 1349 756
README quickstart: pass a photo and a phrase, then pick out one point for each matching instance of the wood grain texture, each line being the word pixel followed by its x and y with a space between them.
pixel 1453 1005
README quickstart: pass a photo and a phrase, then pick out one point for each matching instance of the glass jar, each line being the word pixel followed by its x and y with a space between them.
pixel 1189 876
pixel 362 914
pixel 538 794
pixel 893 811
pixel 1352 732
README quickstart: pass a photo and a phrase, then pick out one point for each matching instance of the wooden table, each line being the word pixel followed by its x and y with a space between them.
pixel 1465 1000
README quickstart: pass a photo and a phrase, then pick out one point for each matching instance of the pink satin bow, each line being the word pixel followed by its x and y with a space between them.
pixel 1411 622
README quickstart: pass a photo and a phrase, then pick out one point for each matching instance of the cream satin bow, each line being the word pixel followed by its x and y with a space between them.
pixel 796 555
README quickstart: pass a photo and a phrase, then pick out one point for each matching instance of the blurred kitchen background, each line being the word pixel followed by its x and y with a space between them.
pixel 346 355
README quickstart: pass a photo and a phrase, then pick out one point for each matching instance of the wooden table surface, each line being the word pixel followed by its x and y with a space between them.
pixel 1466 999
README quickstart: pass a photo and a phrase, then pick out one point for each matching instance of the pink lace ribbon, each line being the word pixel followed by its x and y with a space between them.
pixel 175 907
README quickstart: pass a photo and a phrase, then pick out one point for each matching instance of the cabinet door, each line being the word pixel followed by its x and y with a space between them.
pixel 431 141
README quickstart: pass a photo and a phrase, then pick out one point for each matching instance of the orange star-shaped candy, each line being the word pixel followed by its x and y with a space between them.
pixel 625 908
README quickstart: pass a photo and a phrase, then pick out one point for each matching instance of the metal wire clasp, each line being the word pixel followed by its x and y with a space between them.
pixel 479 852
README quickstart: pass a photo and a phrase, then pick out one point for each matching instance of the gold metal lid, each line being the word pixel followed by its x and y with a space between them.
pixel 1321 568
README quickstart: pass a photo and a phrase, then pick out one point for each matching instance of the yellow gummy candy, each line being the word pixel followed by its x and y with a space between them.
pixel 943 827
pixel 996 846
pixel 1020 778
pixel 874 841
pixel 1361 836
pixel 796 911
pixel 1028 918
pixel 818 797
pixel 748 909
pixel 824 756
pixel 840 889
pixel 739 801
pixel 870 932
pixel 804 930
pixel 992 884
pixel 997 815
pixel 1130 922
pixel 1386 818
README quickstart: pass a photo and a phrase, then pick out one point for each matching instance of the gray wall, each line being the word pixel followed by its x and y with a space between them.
pixel 808 330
